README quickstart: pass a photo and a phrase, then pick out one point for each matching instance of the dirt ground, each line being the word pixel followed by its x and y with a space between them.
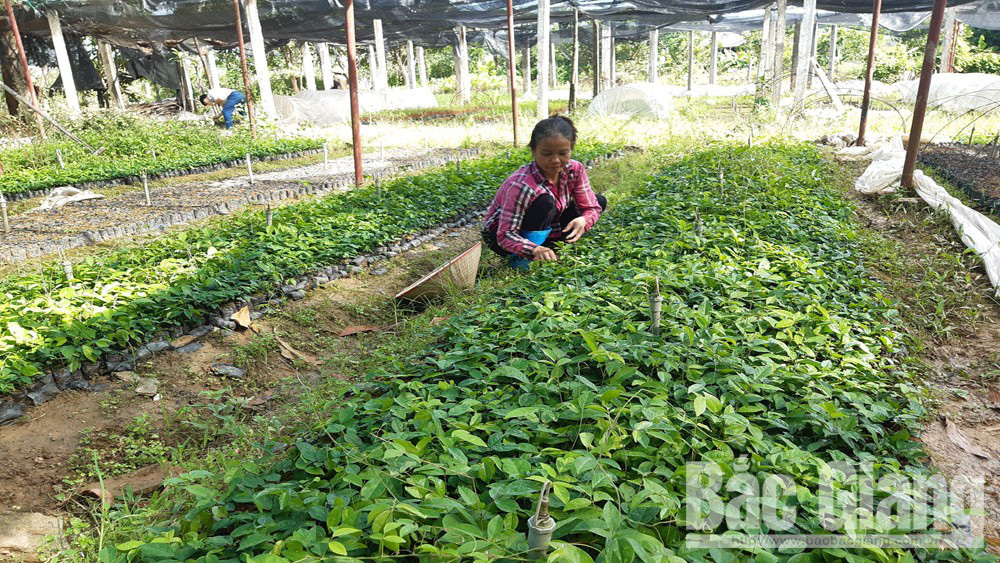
pixel 962 359
pixel 41 455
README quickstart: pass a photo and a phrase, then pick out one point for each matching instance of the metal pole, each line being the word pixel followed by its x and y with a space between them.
pixel 866 98
pixel 24 63
pixel 923 88
pixel 243 64
pixel 352 79
pixel 511 71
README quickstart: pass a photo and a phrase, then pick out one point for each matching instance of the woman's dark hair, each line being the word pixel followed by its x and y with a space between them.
pixel 555 125
pixel 203 98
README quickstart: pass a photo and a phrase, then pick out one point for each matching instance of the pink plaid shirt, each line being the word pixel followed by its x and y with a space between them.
pixel 518 191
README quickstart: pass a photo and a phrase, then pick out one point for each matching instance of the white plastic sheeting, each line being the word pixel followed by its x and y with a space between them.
pixel 883 174
pixel 978 232
pixel 956 92
pixel 64 196
pixel 635 100
pixel 332 107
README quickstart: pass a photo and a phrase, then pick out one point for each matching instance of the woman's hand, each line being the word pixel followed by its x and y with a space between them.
pixel 544 253
pixel 576 228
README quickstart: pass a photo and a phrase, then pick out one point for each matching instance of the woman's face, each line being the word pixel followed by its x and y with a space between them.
pixel 552 154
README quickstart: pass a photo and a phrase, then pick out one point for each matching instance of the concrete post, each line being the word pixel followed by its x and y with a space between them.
pixel 325 66
pixel 779 53
pixel 107 57
pixel 382 77
pixel 62 58
pixel 421 66
pixel 307 67
pixel 411 66
pixel 807 31
pixel 833 53
pixel 713 66
pixel 652 73
pixel 213 69
pixel 543 58
pixel 260 59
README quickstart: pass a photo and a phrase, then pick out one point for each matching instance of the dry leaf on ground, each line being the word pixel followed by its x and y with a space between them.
pixel 241 317
pixel 359 328
pixel 958 438
pixel 140 481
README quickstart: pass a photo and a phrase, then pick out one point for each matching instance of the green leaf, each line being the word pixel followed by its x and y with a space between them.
pixel 466 436
pixel 337 548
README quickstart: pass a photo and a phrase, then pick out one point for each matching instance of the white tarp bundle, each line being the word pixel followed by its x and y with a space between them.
pixel 978 232
pixel 635 100
pixel 64 196
pixel 883 174
pixel 333 107
pixel 956 92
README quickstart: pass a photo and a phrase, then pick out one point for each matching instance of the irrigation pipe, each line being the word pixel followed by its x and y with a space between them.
pixel 21 99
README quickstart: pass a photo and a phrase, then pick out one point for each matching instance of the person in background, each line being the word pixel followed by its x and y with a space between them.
pixel 545 201
pixel 227 98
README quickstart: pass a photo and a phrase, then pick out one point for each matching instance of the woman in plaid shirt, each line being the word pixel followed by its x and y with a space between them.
pixel 545 201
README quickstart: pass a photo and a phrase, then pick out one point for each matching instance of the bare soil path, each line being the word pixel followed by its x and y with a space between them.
pixel 946 302
pixel 53 449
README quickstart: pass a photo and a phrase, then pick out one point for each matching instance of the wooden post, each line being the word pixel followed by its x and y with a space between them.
pixel 352 80
pixel 260 59
pixel 596 63
pixel 542 50
pixel 243 67
pixel 833 54
pixel 652 72
pixel 866 97
pixel 382 78
pixel 574 77
pixel 411 65
pixel 690 60
pixel 307 67
pixel 421 66
pixel 62 57
pixel 807 30
pixel 779 53
pixel 511 70
pixel 713 65
pixel 923 89
pixel 325 68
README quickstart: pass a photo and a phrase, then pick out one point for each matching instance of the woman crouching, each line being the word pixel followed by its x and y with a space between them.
pixel 546 201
